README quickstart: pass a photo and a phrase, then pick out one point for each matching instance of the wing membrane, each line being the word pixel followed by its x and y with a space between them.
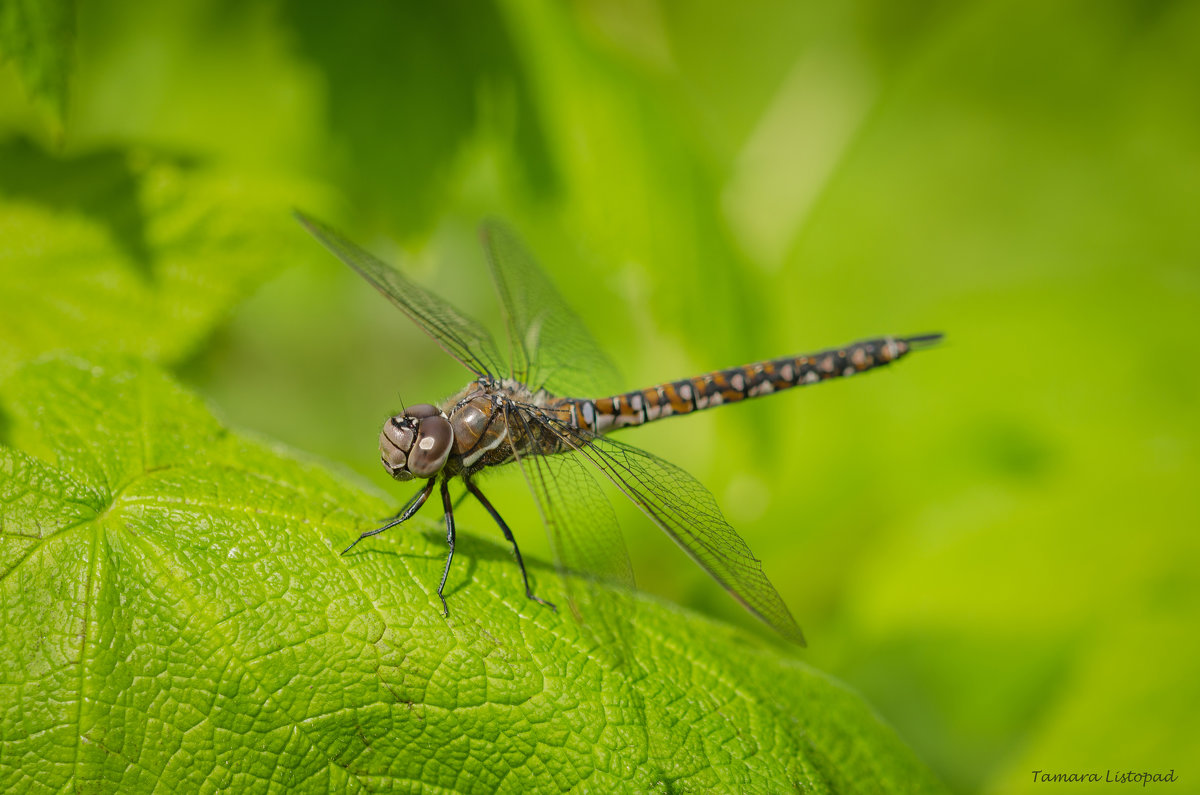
pixel 687 511
pixel 586 541
pixel 583 529
pixel 459 335
pixel 550 347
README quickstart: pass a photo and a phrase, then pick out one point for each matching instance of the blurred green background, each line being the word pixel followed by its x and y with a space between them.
pixel 995 541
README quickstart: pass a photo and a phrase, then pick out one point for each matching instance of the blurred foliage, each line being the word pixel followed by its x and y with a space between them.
pixel 127 251
pixel 36 38
pixel 995 541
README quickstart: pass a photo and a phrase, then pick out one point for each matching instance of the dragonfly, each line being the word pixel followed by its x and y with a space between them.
pixel 533 408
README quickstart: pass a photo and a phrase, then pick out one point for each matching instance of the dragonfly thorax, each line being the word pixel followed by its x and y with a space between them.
pixel 477 417
pixel 471 420
pixel 416 443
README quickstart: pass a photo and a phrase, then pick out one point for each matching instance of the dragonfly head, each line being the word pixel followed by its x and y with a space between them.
pixel 416 443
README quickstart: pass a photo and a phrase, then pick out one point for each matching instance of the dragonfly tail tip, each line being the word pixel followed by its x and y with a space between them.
pixel 918 341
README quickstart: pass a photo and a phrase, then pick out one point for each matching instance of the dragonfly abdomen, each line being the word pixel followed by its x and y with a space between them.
pixel 739 383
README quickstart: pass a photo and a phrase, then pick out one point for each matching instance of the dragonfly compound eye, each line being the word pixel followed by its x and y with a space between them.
pixel 395 441
pixel 434 440
pixel 421 411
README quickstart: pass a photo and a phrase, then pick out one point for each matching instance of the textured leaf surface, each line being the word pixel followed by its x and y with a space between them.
pixel 175 617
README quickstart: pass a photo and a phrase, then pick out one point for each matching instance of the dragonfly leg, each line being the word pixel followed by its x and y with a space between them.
pixel 400 515
pixel 449 541
pixel 474 490
pixel 406 513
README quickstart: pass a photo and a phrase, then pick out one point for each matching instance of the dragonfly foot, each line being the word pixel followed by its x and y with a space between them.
pixel 541 601
pixel 354 543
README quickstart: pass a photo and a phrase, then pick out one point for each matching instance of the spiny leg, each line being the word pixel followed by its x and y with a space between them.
pixel 471 487
pixel 406 513
pixel 458 501
pixel 449 541
pixel 394 519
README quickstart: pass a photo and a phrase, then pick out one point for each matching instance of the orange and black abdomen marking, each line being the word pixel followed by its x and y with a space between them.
pixel 739 383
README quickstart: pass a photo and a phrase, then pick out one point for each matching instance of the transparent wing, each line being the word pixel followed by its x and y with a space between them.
pixel 459 335
pixel 549 346
pixel 585 539
pixel 584 534
pixel 686 511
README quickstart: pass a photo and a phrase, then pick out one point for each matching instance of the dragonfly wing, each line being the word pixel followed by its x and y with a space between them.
pixel 687 511
pixel 459 335
pixel 550 347
pixel 587 546
pixel 582 525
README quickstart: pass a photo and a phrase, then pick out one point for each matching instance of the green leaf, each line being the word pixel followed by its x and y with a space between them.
pixel 176 616
pixel 123 251
pixel 38 37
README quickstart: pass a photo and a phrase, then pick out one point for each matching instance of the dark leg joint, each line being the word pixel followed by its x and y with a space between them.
pixel 449 542
pixel 471 487
pixel 406 513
